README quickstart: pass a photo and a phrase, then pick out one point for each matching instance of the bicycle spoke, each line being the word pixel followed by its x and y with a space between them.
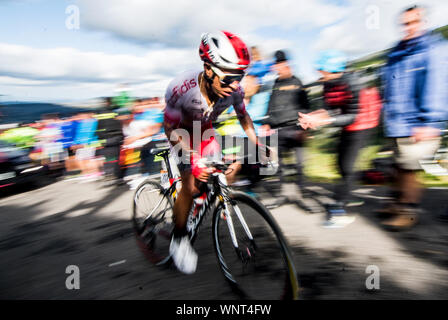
pixel 152 216
pixel 258 267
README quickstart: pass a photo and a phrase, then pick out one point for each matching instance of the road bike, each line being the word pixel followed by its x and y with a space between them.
pixel 252 252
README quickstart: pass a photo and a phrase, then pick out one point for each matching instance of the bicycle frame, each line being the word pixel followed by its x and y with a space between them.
pixel 217 192
pixel 224 203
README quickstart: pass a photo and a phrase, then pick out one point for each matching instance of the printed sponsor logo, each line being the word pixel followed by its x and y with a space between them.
pixel 178 92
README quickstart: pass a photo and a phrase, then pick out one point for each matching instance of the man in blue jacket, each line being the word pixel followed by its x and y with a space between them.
pixel 415 107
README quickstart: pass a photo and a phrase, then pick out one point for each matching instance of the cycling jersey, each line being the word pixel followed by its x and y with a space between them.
pixel 185 103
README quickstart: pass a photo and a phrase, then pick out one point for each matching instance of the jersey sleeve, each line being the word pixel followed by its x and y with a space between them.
pixel 238 103
pixel 172 115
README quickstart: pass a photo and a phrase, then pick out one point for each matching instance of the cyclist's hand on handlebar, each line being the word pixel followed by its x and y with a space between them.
pixel 204 174
pixel 199 168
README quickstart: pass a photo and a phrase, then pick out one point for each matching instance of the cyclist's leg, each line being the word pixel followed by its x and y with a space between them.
pixel 184 201
pixel 182 253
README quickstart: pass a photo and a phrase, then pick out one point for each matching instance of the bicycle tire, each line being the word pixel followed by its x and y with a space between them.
pixel 154 235
pixel 268 255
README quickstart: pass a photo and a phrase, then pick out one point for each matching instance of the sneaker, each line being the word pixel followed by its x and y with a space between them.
pixel 355 203
pixel 338 221
pixel 278 202
pixel 183 254
pixel 337 217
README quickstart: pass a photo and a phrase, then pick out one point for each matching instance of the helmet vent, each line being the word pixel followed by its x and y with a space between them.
pixel 215 41
pixel 224 59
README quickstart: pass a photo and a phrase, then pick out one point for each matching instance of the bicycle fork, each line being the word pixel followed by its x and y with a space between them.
pixel 247 255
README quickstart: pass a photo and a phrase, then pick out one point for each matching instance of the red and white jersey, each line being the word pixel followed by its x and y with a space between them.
pixel 185 103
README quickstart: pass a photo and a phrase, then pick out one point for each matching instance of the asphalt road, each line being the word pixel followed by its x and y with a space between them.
pixel 44 230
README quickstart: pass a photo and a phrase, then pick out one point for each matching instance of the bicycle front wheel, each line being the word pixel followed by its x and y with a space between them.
pixel 152 219
pixel 252 252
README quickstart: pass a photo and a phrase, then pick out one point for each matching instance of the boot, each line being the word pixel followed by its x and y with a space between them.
pixel 404 219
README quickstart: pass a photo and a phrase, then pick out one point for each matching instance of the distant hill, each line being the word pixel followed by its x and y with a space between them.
pixel 30 112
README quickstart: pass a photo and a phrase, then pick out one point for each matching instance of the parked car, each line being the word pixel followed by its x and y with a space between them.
pixel 16 167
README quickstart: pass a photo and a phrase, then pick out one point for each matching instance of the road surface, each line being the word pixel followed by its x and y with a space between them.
pixel 44 230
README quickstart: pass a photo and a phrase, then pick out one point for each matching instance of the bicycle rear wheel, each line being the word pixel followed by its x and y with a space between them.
pixel 260 264
pixel 152 219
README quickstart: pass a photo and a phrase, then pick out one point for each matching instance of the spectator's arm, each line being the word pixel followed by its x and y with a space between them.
pixel 435 96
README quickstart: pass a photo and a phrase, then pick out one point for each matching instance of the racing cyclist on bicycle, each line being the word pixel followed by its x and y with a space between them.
pixel 200 97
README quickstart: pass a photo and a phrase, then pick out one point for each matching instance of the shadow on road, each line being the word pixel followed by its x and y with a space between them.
pixel 38 242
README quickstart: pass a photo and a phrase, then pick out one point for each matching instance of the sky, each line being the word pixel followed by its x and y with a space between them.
pixel 69 50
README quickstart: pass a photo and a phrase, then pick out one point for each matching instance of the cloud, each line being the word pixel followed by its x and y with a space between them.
pixel 179 23
pixel 68 64
pixel 169 31
pixel 69 72
pixel 358 34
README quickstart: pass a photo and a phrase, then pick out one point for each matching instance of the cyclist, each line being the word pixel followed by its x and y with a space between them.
pixel 199 98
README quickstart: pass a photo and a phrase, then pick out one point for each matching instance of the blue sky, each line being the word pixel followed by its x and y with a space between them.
pixel 146 43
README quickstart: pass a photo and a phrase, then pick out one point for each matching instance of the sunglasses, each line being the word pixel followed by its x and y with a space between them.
pixel 408 23
pixel 227 78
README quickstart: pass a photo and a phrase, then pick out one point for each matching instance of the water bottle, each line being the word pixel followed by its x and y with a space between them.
pixel 164 178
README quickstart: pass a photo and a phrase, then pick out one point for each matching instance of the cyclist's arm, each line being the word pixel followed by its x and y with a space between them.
pixel 174 136
pixel 243 116
pixel 248 127
pixel 172 117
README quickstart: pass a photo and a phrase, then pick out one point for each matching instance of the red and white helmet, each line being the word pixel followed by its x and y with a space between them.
pixel 224 50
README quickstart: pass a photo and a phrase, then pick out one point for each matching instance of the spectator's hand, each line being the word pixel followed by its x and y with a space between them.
pixel 265 130
pixel 425 133
pixel 314 120
pixel 266 154
pixel 305 121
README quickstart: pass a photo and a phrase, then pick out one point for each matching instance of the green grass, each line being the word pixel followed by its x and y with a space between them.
pixel 321 162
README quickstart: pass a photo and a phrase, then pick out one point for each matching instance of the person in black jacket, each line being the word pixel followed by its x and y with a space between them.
pixel 287 99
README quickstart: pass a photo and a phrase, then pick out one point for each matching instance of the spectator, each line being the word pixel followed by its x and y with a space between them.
pixel 138 132
pixel 287 99
pixel 353 108
pixel 110 134
pixel 84 149
pixel 153 116
pixel 415 95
